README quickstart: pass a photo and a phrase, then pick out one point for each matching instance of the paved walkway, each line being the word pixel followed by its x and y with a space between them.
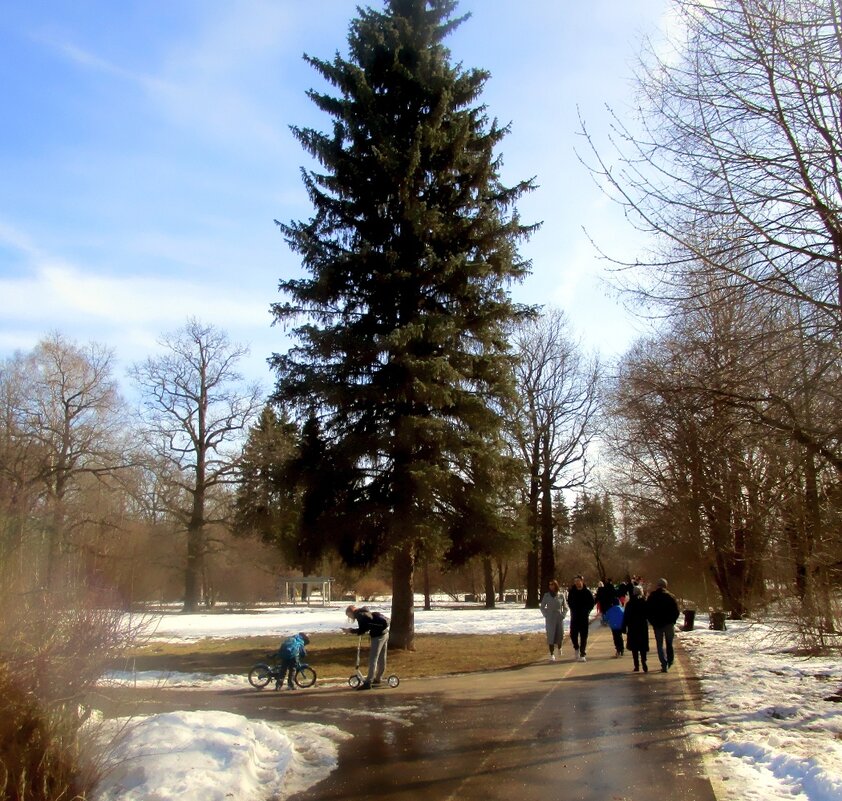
pixel 591 731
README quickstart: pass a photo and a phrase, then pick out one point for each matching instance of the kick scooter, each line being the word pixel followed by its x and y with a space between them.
pixel 357 678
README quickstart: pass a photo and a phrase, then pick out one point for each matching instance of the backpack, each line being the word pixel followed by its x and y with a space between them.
pixel 379 624
pixel 615 617
pixel 290 648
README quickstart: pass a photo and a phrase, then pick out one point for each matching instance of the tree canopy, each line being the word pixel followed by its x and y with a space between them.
pixel 402 353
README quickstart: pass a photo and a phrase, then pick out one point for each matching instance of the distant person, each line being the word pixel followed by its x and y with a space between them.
pixel 662 612
pixel 599 597
pixel 636 628
pixel 289 656
pixel 614 616
pixel 554 608
pixel 624 590
pixel 375 625
pixel 580 601
pixel 605 594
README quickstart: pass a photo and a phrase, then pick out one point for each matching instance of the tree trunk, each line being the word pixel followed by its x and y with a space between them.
pixel 502 572
pixel 402 626
pixel 193 570
pixel 532 559
pixel 532 600
pixel 546 525
pixel 488 573
pixel 195 550
pixel 427 599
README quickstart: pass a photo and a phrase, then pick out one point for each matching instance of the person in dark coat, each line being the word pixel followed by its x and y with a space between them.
pixel 636 628
pixel 580 601
pixel 662 611
pixel 604 598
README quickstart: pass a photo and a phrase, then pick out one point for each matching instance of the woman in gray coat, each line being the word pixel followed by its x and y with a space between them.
pixel 554 608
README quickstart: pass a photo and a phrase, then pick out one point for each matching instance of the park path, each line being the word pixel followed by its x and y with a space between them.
pixel 592 731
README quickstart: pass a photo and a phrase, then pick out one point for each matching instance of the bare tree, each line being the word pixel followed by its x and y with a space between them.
pixel 557 419
pixel 196 411
pixel 593 526
pixel 63 425
pixel 703 478
pixel 738 174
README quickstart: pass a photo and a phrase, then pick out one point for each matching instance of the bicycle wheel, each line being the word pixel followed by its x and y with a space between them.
pixel 393 681
pixel 305 676
pixel 355 681
pixel 260 675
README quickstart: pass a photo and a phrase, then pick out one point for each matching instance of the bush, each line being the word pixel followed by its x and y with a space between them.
pixel 52 652
pixel 370 588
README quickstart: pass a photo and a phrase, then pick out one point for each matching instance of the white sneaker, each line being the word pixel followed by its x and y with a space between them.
pixel 552 657
pixel 575 653
pixel 583 659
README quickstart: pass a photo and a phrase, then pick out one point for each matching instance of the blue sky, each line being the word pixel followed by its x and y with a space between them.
pixel 145 150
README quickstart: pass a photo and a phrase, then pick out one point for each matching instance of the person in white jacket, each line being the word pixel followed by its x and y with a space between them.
pixel 554 608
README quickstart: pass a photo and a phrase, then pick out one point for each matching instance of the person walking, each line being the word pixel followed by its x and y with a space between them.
pixel 636 628
pixel 601 605
pixel 554 608
pixel 614 616
pixel 662 613
pixel 375 625
pixel 580 601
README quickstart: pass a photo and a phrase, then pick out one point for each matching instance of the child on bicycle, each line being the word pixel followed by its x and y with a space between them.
pixel 289 656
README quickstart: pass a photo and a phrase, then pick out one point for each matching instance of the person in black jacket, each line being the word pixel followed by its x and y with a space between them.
pixel 375 625
pixel 604 598
pixel 636 628
pixel 580 601
pixel 662 612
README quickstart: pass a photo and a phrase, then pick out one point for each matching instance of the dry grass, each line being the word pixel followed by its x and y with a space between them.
pixel 334 655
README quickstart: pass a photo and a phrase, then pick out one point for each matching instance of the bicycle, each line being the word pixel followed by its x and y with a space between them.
pixel 263 673
pixel 357 678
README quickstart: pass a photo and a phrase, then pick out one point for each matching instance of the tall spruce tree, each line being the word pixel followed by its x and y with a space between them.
pixel 402 354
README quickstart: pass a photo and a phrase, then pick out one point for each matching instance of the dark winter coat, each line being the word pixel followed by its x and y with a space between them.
pixel 580 602
pixel 636 625
pixel 661 608
pixel 605 596
pixel 372 623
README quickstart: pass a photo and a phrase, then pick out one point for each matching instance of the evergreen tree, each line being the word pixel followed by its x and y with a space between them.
pixel 267 504
pixel 403 355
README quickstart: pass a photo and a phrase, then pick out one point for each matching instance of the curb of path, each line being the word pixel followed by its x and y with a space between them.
pixel 693 699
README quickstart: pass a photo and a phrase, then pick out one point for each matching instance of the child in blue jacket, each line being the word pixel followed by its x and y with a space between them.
pixel 614 615
pixel 289 655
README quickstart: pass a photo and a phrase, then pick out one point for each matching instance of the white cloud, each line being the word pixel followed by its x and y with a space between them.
pixel 56 290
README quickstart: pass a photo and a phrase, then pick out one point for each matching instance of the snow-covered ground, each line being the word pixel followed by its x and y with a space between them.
pixel 766 726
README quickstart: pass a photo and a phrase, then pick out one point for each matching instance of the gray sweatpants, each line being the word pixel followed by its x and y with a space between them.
pixel 377 658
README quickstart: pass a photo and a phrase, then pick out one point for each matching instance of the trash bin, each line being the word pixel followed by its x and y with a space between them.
pixel 717 621
pixel 689 620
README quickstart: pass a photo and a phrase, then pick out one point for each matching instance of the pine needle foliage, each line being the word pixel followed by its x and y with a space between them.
pixel 401 350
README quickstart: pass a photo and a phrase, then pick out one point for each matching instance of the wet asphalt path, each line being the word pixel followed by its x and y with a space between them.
pixel 590 731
